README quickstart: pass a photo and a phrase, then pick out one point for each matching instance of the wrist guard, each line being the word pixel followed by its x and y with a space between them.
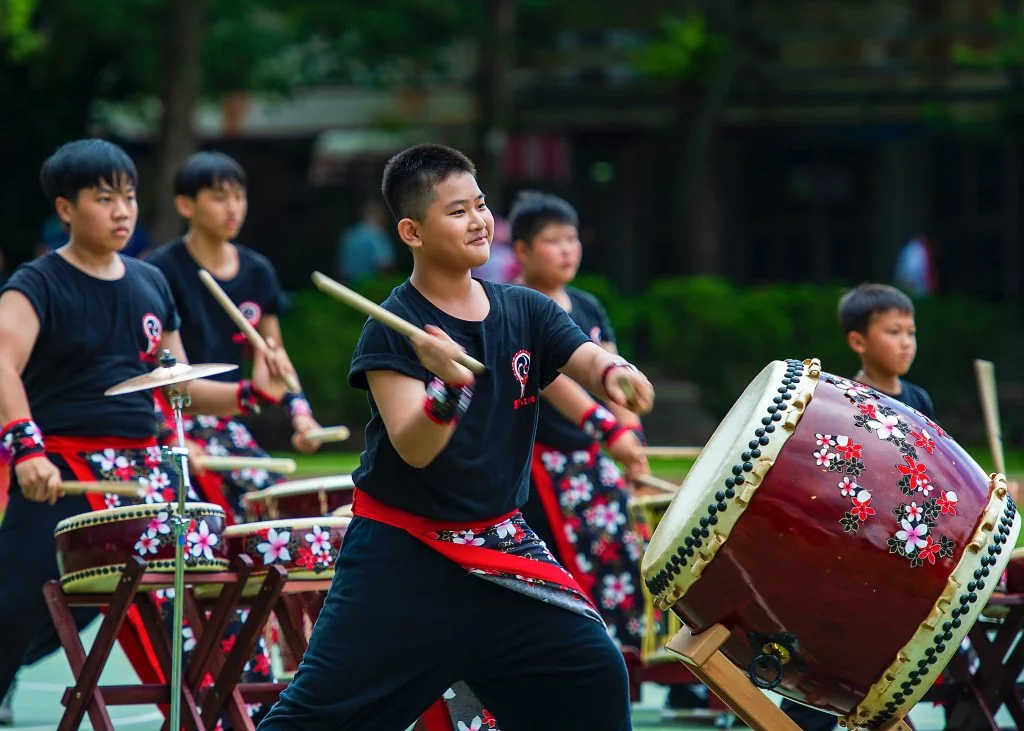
pixel 23 440
pixel 446 403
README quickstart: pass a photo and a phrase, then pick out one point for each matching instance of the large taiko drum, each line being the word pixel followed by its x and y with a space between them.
pixel 846 542
pixel 300 498
pixel 93 548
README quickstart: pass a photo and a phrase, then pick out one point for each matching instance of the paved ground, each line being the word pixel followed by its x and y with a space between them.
pixel 37 704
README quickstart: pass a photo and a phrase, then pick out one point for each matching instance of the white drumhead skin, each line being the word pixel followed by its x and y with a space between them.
pixel 242 529
pixel 125 511
pixel 712 468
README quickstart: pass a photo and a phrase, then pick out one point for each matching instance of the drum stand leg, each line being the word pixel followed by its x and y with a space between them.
pixel 702 654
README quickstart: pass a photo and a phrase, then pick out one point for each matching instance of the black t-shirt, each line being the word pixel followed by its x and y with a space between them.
pixel 553 429
pixel 207 331
pixel 484 471
pixel 916 397
pixel 93 334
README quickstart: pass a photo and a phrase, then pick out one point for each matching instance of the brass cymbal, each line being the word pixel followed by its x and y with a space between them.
pixel 165 376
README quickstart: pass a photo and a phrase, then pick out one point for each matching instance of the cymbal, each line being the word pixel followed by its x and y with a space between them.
pixel 165 376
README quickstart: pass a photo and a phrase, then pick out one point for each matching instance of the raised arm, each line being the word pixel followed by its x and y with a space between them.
pixel 421 418
pixel 38 478
pixel 601 372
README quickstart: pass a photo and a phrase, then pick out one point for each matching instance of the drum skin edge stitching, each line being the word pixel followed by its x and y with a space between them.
pixel 685 579
pixel 872 711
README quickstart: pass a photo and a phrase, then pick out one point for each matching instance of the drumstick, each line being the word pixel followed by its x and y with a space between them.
pixel 371 309
pixel 655 482
pixel 270 464
pixel 251 333
pixel 328 434
pixel 673 452
pixel 124 489
pixel 986 373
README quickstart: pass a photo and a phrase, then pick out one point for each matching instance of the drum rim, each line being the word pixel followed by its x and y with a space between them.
pixel 296 487
pixel 160 566
pixel 135 512
pixel 878 707
pixel 244 529
pixel 669 566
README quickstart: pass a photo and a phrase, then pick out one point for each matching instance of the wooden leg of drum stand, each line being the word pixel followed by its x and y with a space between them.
pixel 702 655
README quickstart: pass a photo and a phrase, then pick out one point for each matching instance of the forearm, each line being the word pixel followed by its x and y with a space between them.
pixel 13 399
pixel 213 398
pixel 420 439
pixel 420 418
pixel 568 398
pixel 588 366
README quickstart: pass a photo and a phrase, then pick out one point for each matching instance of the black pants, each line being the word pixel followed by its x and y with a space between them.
pixel 27 561
pixel 807 718
pixel 401 624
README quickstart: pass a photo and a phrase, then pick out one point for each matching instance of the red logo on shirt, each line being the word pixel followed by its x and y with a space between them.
pixel 153 331
pixel 595 334
pixel 521 371
pixel 253 313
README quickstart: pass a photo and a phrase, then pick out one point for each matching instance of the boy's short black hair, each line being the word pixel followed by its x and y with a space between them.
pixel 208 170
pixel 83 164
pixel 532 210
pixel 410 177
pixel 858 306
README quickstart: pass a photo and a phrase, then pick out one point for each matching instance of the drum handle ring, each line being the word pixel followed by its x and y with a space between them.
pixel 771 659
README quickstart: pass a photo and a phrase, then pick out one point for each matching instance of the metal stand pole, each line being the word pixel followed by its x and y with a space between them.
pixel 179 400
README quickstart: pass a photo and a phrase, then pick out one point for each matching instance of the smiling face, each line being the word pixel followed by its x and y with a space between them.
pixel 101 218
pixel 455 230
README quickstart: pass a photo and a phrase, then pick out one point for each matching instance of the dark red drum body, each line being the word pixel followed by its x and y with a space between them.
pixel 846 541
pixel 300 498
pixel 93 548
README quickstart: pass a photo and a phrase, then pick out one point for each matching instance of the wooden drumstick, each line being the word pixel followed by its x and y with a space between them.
pixel 251 333
pixel 672 452
pixel 656 482
pixel 284 465
pixel 123 489
pixel 371 309
pixel 986 372
pixel 328 434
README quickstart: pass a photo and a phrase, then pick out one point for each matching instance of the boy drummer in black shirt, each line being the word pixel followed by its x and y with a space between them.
pixel 440 579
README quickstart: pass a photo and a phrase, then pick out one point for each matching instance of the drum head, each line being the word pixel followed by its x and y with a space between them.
pixel 707 477
pixel 126 512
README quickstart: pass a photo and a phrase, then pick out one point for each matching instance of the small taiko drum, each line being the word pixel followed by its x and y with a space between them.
pixel 846 542
pixel 300 498
pixel 307 548
pixel 93 548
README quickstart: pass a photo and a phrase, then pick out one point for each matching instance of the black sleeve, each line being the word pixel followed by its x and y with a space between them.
pixel 557 336
pixel 275 302
pixel 607 331
pixel 32 283
pixel 382 349
pixel 170 316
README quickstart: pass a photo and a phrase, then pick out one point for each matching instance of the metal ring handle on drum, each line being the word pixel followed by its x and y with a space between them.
pixel 766 660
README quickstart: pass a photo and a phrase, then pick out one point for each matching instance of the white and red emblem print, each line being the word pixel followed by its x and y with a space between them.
pixel 153 330
pixel 252 313
pixel 595 334
pixel 521 371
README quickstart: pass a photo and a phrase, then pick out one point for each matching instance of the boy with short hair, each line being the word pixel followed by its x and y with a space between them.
pixel 878 322
pixel 73 323
pixel 438 567
pixel 210 192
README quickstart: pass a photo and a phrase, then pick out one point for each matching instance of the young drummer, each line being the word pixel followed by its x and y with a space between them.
pixel 439 568
pixel 210 193
pixel 74 323
pixel 878 323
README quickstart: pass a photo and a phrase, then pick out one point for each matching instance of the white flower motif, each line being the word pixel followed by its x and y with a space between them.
pixel 914 536
pixel 449 694
pixel 505 529
pixel 319 540
pixel 825 440
pixel 468 538
pixel 475 725
pixel 584 562
pixel 848 487
pixel 606 516
pixel 886 426
pixel 913 512
pixel 111 501
pixel 581 456
pixel 158 524
pixel 202 541
pixel 822 457
pixel 554 462
pixel 616 589
pixel 275 548
pixel 146 544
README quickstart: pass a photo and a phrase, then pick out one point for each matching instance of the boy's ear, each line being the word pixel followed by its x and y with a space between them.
pixel 63 207
pixel 521 249
pixel 185 205
pixel 409 232
pixel 857 342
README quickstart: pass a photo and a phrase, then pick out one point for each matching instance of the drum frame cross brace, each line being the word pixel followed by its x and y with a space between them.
pixel 703 655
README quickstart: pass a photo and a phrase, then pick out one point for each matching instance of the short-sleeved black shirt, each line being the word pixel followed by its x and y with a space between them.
pixel 916 397
pixel 207 331
pixel 94 333
pixel 484 470
pixel 553 429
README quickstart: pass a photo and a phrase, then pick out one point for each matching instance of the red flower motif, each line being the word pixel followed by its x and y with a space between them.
pixel 488 719
pixel 848 448
pixel 261 664
pixel 227 643
pixel 862 506
pixel 305 559
pixel 923 440
pixel 914 470
pixel 936 427
pixel 929 552
pixel 947 502
pixel 869 410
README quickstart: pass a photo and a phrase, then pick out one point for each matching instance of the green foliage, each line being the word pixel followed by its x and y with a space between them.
pixel 685 50
pixel 16 28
